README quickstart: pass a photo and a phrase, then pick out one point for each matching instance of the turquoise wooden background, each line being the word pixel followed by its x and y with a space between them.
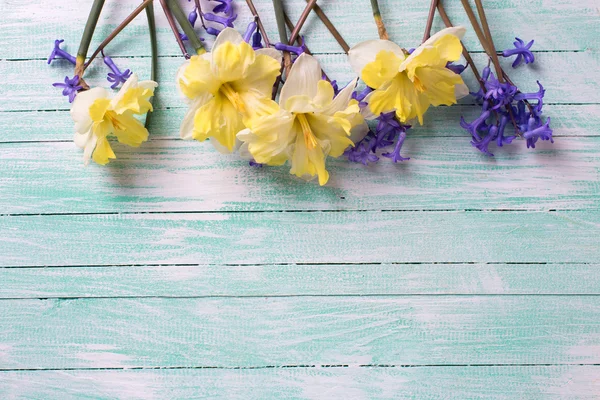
pixel 176 272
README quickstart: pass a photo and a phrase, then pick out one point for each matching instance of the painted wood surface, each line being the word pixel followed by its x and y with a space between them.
pixel 176 272
pixel 266 331
pixel 344 382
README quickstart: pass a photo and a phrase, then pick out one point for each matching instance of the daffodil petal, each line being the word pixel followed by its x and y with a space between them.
pixel 219 120
pixel 130 131
pixel 196 78
pixel 80 110
pixel 227 35
pixel 300 104
pixel 302 80
pixel 324 96
pixel 366 52
pixel 187 124
pixel 103 152
pixel 230 62
pixel 382 70
pixel 457 31
pixel 260 76
pixel 440 84
pixel 340 102
pixel 270 52
pixel 333 130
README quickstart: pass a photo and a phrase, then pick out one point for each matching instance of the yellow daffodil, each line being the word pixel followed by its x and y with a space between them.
pixel 226 87
pixel 310 124
pixel 97 116
pixel 409 84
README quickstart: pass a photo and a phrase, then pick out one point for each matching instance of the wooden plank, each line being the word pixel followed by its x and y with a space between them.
pixel 554 70
pixel 299 280
pixel 42 21
pixel 300 237
pixel 323 330
pixel 351 383
pixel 442 174
pixel 567 120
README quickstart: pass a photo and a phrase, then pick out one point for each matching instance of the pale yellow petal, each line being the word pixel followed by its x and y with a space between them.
pixel 197 78
pixel 80 110
pixel 364 53
pixel 219 120
pixel 324 96
pixel 230 62
pixel 439 84
pixel 340 102
pixel 130 131
pixel 103 152
pixel 187 124
pixel 302 80
pixel 382 70
pixel 260 76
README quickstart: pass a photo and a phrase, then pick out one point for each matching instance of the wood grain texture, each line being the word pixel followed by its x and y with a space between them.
pixel 442 174
pixel 174 258
pixel 322 330
pixel 575 25
pixel 300 280
pixel 300 237
pixel 554 70
pixel 45 126
pixel 350 383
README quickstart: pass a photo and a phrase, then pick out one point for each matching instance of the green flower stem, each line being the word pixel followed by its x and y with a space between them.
pixel 290 26
pixel 466 55
pixel 188 29
pixel 86 39
pixel 296 32
pixel 174 29
pixel 154 47
pixel 329 25
pixel 118 30
pixel 488 34
pixel 378 21
pixel 283 38
pixel 483 39
pixel 432 8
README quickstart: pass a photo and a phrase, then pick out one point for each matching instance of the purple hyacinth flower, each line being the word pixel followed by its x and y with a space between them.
pixel 257 41
pixel 116 76
pixel 395 154
pixel 292 49
pixel 476 125
pixel 501 93
pixel 482 145
pixel 183 36
pixel 253 163
pixel 226 21
pixel 335 87
pixel 501 140
pixel 522 51
pixel 536 130
pixel 539 96
pixel 249 32
pixel 58 52
pixel 225 7
pixel 192 17
pixel 360 96
pixel 361 153
pixel 212 31
pixel 70 87
pixel 456 68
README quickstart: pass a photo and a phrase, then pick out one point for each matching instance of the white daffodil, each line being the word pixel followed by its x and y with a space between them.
pixel 97 115
pixel 409 84
pixel 310 124
pixel 225 87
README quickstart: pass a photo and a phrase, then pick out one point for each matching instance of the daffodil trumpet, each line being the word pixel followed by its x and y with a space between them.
pixel 409 83
pixel 225 88
pixel 98 115
pixel 309 124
